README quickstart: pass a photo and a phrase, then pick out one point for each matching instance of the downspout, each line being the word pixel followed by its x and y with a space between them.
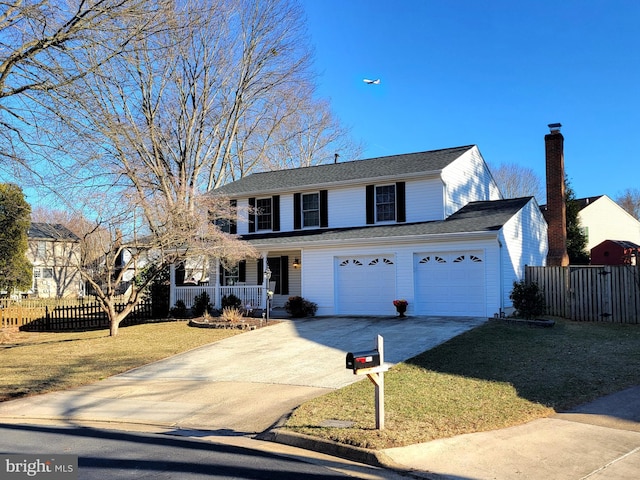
pixel 501 276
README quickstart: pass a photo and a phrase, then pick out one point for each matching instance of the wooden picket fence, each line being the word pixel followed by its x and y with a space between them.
pixel 590 293
pixel 54 318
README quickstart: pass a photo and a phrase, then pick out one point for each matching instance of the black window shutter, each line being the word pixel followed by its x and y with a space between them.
pixel 297 211
pixel 284 275
pixel 371 204
pixel 324 208
pixel 242 271
pixel 252 215
pixel 275 213
pixel 260 278
pixel 233 224
pixel 401 208
pixel 222 275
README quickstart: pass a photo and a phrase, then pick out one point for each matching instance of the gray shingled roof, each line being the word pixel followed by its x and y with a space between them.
pixel 486 216
pixel 582 202
pixel 51 231
pixel 409 163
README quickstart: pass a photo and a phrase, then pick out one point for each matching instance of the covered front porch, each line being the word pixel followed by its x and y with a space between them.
pixel 249 280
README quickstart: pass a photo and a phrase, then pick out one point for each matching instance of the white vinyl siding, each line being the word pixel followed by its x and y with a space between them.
pixel 523 241
pixel 347 207
pixel 424 200
pixel 467 179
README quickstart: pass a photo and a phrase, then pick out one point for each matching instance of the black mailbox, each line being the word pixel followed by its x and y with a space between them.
pixel 359 360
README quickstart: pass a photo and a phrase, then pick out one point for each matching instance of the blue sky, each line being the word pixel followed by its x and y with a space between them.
pixel 488 72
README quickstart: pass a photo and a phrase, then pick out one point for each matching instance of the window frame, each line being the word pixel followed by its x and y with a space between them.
pixel 264 220
pixel 388 214
pixel 315 210
pixel 231 275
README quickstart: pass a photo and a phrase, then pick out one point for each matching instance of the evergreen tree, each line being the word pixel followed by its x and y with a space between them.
pixel 15 218
pixel 576 238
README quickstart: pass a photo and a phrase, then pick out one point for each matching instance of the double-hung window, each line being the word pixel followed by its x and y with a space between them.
pixel 41 250
pixel 311 210
pixel 385 203
pixel 263 213
pixel 230 276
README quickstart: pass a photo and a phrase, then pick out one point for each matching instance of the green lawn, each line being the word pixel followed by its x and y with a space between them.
pixel 492 377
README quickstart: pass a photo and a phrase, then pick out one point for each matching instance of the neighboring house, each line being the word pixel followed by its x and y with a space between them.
pixel 54 252
pixel 603 219
pixel 427 227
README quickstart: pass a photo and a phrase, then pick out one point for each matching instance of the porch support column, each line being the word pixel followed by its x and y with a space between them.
pixel 265 283
pixel 172 285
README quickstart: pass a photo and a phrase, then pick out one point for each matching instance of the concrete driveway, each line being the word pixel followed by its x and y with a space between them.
pixel 243 384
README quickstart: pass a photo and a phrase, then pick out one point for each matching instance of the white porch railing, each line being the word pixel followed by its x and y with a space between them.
pixel 253 295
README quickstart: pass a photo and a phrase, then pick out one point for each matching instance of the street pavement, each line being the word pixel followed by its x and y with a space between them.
pixel 241 386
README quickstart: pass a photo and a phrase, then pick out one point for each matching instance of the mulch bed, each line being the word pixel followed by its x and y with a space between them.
pixel 247 323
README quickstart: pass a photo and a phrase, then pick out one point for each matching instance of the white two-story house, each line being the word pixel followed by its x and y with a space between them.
pixel 55 253
pixel 430 227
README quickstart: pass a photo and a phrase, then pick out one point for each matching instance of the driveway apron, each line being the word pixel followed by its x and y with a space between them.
pixel 245 383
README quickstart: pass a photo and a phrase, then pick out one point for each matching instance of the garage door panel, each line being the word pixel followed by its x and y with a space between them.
pixel 450 283
pixel 366 284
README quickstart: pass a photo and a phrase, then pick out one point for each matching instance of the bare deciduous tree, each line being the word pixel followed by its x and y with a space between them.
pixel 517 181
pixel 47 45
pixel 630 201
pixel 222 91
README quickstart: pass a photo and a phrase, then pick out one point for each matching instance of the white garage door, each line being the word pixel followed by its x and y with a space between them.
pixel 450 284
pixel 366 285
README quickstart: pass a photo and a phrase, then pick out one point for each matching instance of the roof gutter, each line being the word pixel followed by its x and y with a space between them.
pixel 433 174
pixel 393 240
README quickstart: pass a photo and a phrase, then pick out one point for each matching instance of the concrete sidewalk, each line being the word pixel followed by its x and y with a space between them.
pixel 597 441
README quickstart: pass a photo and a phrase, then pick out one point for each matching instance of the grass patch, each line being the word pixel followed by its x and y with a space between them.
pixel 495 376
pixel 33 363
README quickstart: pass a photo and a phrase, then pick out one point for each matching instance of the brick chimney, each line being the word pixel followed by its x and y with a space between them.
pixel 556 208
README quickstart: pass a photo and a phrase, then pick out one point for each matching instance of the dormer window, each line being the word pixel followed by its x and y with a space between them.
pixel 386 203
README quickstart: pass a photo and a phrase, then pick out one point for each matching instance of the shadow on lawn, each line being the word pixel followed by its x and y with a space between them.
pixel 560 367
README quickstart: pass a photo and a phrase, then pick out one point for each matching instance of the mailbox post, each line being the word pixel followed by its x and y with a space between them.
pixel 371 364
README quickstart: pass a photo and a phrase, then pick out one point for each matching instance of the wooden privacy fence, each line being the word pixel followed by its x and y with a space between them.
pixel 590 293
pixel 87 316
pixel 17 315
